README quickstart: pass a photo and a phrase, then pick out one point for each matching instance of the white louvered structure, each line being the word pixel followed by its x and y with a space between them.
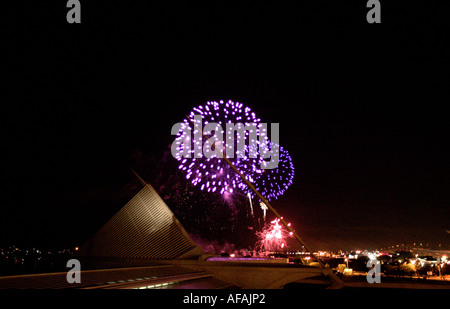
pixel 145 228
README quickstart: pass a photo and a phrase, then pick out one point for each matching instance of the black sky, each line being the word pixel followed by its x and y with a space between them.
pixel 363 111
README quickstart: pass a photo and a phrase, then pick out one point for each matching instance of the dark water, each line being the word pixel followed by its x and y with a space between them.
pixel 31 261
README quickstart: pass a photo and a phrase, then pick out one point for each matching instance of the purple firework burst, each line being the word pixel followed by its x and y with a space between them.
pixel 209 171
pixel 272 183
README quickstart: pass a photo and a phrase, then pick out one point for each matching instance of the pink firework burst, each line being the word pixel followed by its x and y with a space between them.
pixel 273 237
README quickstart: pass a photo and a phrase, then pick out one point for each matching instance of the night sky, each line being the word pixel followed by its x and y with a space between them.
pixel 363 111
